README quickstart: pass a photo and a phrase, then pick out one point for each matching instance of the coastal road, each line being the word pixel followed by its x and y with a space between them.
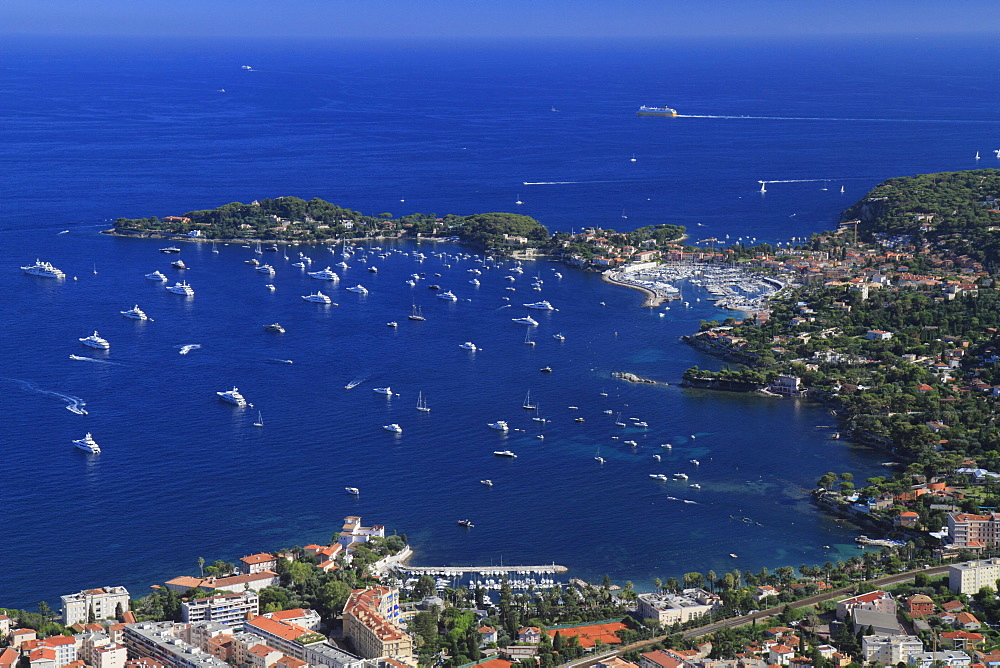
pixel 733 622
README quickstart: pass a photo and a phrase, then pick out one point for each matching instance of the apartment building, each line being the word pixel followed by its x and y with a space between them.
pixel 102 603
pixel 371 618
pixel 970 576
pixel 974 532
pixel 230 609
pixel 300 643
pixel 676 609
pixel 889 650
pixel 166 643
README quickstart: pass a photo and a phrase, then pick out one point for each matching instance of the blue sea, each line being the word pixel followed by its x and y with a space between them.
pixel 98 129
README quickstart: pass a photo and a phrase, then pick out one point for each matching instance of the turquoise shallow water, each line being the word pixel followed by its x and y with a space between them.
pixel 97 131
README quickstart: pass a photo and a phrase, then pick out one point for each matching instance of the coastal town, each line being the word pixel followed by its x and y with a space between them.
pixel 351 604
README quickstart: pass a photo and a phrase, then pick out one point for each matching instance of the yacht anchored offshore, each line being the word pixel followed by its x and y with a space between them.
pixel 360 289
pixel 170 249
pixel 499 425
pixel 541 306
pixel 274 327
pixel 504 453
pixel 266 269
pixel 181 288
pixel 468 345
pixel 156 276
pixel 387 391
pixel 95 341
pixel 448 295
pixel 135 313
pixel 325 275
pixel 319 298
pixel 527 320
pixel 88 444
pixel 43 269
pixel 394 428
pixel 233 396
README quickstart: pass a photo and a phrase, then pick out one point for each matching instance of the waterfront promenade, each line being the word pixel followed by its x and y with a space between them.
pixel 459 571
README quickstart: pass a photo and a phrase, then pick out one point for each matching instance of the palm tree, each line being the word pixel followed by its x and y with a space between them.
pixel 201 566
pixel 657 584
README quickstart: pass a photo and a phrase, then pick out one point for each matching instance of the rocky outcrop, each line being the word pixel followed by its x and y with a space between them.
pixel 632 378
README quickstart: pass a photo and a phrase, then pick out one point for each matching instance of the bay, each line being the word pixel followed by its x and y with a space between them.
pixel 134 129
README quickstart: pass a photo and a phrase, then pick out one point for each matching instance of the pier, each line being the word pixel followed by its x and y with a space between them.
pixel 459 571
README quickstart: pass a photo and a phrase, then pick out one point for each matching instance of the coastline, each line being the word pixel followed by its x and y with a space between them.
pixel 652 299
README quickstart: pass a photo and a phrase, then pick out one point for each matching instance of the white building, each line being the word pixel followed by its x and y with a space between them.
pixel 166 643
pixel 674 609
pixel 877 600
pixel 890 650
pixel 353 532
pixel 953 659
pixel 226 609
pixel 970 576
pixel 102 602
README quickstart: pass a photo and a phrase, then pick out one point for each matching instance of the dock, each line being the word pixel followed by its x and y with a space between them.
pixel 459 571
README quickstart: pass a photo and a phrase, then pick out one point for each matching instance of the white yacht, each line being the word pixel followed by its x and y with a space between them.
pixel 468 345
pixel 181 288
pixel 88 444
pixel 342 265
pixel 558 337
pixel 178 264
pixel 422 403
pixel 599 459
pixel 270 286
pixel 44 269
pixel 499 425
pixel 135 313
pixel 387 391
pixel 487 482
pixel 274 327
pixel 540 306
pixel 694 461
pixel 300 265
pixel 392 324
pixel 325 275
pixel 394 428
pixel 694 485
pixel 318 297
pixel 505 453
pixel 95 341
pixel 266 269
pixel 352 490
pixel 232 396
pixel 527 320
pixel 170 249
pixel 680 476
pixel 360 289
pixel 474 281
pixel 373 270
pixel 448 296
pixel 156 276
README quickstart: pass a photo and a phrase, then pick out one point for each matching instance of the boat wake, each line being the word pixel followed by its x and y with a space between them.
pixel 276 360
pixel 818 118
pixel 354 383
pixel 81 358
pixel 188 347
pixel 73 404
pixel 564 183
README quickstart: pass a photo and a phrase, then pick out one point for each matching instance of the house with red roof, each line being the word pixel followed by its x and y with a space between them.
pixel 968 621
pixel 780 655
pixel 964 640
pixel 529 635
pixel 920 605
pixel 877 600
pixel 659 659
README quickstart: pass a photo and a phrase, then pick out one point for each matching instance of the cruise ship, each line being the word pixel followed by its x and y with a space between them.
pixel 181 288
pixel 135 313
pixel 43 269
pixel 527 320
pixel 232 396
pixel 360 289
pixel 95 341
pixel 656 111
pixel 156 276
pixel 88 444
pixel 541 306
pixel 319 298
pixel 325 275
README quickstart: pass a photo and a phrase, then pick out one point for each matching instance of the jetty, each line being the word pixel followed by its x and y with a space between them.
pixel 459 571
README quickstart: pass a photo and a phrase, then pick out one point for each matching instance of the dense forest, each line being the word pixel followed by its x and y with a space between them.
pixel 956 210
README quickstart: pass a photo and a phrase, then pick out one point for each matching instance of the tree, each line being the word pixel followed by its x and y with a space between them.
pixel 657 584
pixel 201 566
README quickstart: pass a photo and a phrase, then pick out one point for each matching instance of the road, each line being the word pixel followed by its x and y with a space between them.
pixel 733 622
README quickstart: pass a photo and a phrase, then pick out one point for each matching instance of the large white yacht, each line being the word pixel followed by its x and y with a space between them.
pixel 360 289
pixel 342 265
pixel 181 288
pixel 505 453
pixel 394 428
pixel 156 276
pixel 499 425
pixel 170 249
pixel 95 341
pixel 383 390
pixel 266 269
pixel 88 444
pixel 541 306
pixel 319 298
pixel 43 269
pixel 526 320
pixel 468 345
pixel 448 296
pixel 232 396
pixel 325 275
pixel 135 313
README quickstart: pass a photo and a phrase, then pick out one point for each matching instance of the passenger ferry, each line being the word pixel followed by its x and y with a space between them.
pixel 656 111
